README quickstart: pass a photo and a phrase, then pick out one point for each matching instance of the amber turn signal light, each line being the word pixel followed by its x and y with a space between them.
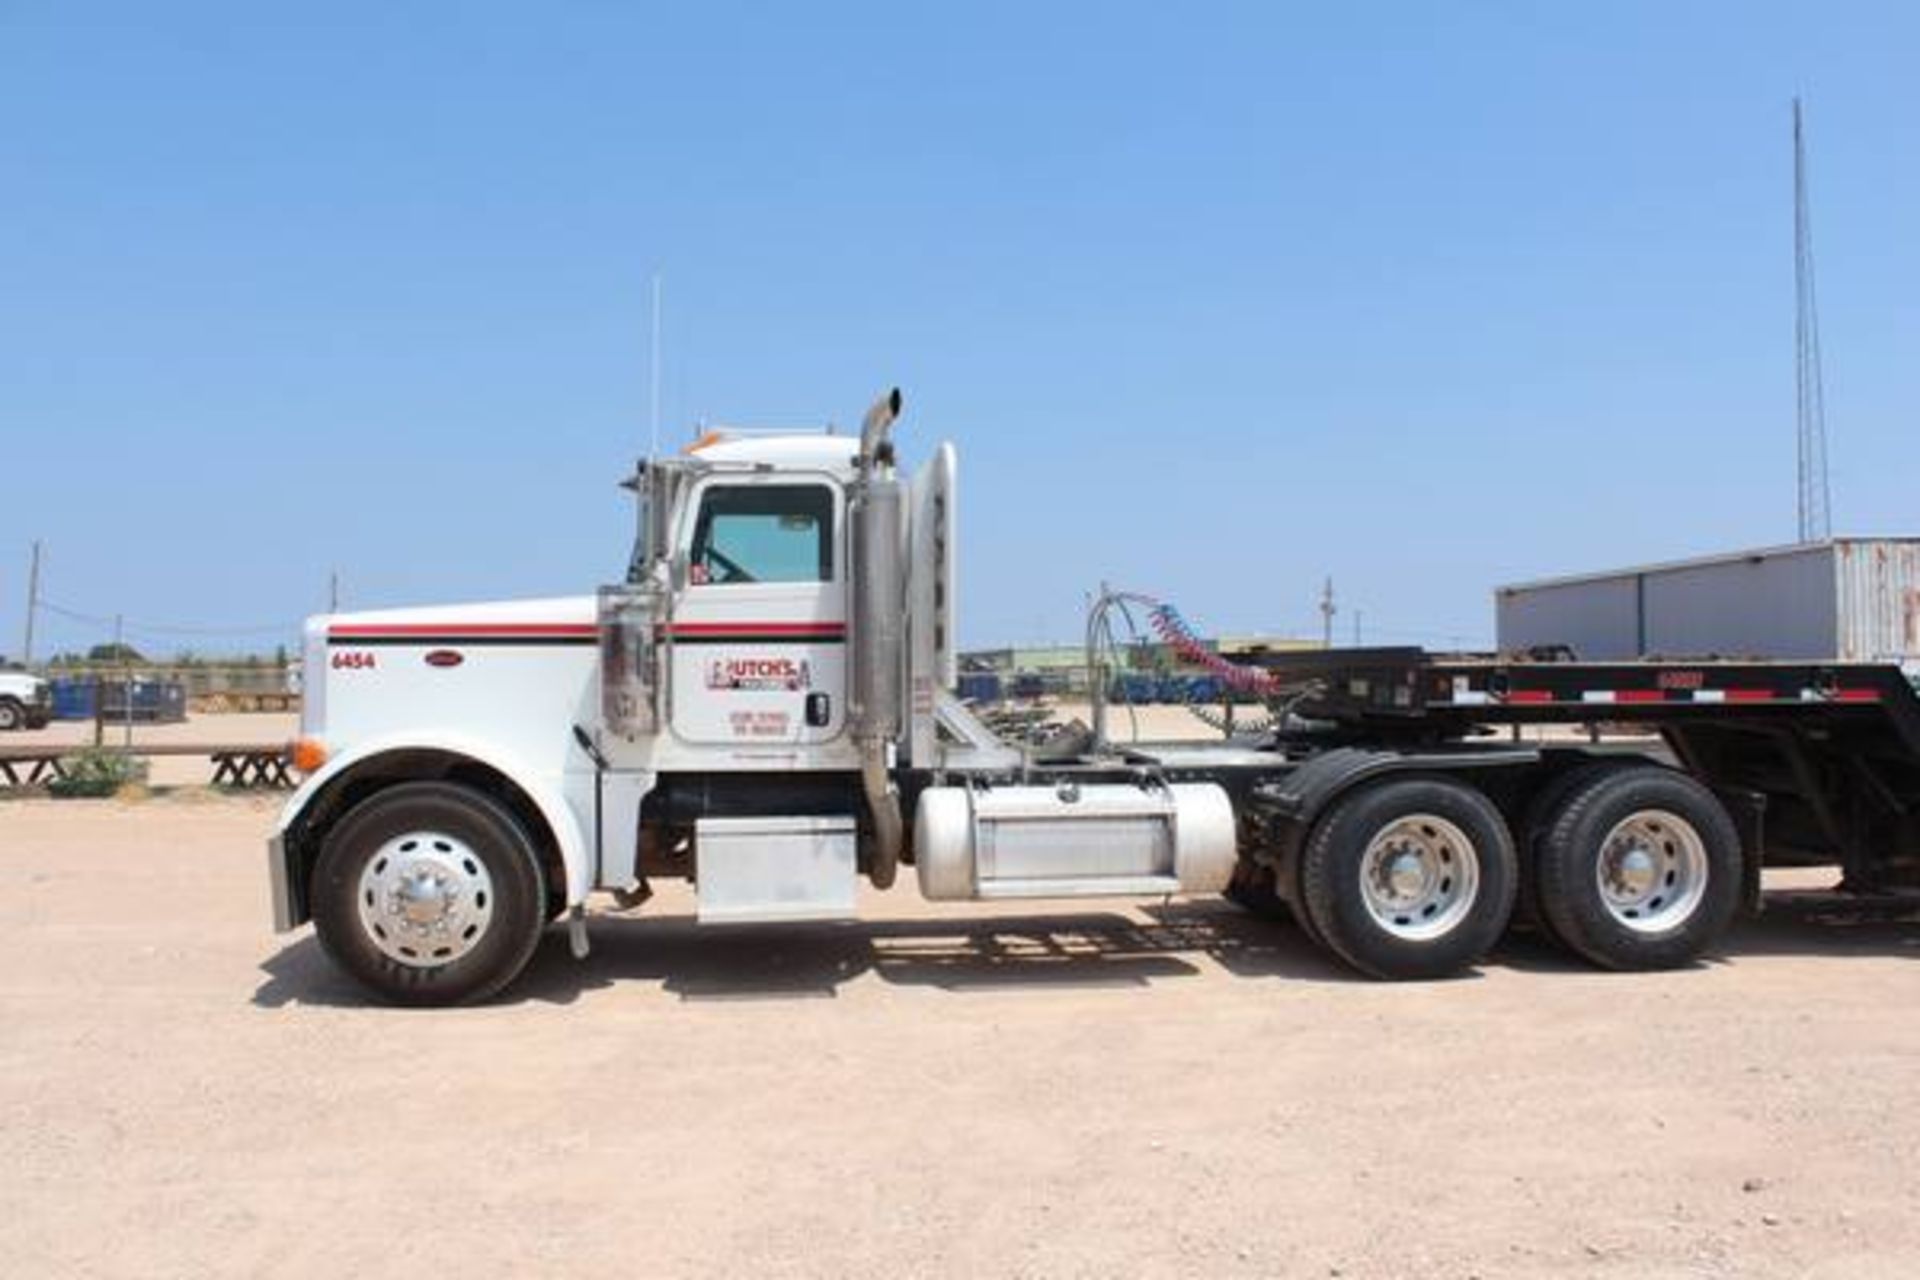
pixel 309 754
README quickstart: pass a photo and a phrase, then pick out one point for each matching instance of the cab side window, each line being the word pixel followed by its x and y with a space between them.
pixel 763 533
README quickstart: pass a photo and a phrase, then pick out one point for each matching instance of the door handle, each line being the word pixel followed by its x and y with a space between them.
pixel 819 710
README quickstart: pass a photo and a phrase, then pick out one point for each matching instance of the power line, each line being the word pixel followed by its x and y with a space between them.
pixel 161 628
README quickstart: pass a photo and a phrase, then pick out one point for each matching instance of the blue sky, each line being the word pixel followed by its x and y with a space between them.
pixel 1216 300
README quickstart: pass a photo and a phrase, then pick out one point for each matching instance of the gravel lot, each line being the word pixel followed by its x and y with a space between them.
pixel 1174 1090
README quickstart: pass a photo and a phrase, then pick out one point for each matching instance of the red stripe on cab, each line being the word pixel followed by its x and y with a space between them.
pixel 757 628
pixel 376 630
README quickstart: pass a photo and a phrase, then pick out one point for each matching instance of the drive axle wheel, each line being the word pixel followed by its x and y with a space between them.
pixel 429 893
pixel 12 715
pixel 1411 878
pixel 1639 869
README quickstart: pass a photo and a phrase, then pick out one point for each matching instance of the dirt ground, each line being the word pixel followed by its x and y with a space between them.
pixel 1174 1090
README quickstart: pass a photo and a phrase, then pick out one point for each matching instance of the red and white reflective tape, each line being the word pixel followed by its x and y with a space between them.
pixel 1466 697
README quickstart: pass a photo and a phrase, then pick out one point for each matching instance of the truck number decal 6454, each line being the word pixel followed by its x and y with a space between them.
pixel 352 660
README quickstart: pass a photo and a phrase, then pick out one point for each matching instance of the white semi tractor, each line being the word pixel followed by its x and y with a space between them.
pixel 763 706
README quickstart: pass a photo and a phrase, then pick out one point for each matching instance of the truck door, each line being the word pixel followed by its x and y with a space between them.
pixel 759 631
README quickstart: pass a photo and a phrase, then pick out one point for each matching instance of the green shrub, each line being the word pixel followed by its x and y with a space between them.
pixel 95 772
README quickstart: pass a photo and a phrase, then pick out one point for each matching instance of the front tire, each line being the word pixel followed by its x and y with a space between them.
pixel 429 893
pixel 12 715
pixel 1639 869
pixel 1412 878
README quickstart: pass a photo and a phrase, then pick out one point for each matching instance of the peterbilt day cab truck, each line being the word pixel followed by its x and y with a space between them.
pixel 763 706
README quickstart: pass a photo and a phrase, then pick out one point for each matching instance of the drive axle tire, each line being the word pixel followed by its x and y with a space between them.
pixel 12 715
pixel 429 893
pixel 1639 869
pixel 1410 878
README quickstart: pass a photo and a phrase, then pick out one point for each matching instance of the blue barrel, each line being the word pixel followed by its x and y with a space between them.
pixel 73 697
pixel 1205 688
pixel 979 686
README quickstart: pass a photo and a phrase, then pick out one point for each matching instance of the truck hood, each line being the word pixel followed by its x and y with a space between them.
pixel 483 617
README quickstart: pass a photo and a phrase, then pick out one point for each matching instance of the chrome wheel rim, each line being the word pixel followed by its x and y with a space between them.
pixel 1652 871
pixel 1419 877
pixel 425 899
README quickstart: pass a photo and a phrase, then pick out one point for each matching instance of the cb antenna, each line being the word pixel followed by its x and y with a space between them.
pixel 653 370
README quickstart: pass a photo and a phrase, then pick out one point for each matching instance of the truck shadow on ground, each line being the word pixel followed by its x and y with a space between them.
pixel 1039 952
pixel 1790 923
pixel 799 961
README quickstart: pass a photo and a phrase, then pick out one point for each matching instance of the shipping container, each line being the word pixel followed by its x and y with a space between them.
pixel 1850 599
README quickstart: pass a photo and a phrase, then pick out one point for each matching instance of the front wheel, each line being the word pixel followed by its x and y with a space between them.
pixel 1410 878
pixel 1639 869
pixel 12 715
pixel 430 894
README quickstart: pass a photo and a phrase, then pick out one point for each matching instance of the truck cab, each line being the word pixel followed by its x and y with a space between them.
pixel 746 591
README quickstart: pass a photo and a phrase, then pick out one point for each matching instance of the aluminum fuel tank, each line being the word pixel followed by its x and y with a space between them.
pixel 1068 840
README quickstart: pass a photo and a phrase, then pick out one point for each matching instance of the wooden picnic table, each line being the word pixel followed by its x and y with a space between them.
pixel 248 764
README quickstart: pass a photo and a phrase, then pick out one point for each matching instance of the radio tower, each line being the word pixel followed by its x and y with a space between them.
pixel 1810 396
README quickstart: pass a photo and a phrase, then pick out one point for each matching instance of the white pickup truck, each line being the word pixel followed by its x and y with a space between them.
pixel 26 701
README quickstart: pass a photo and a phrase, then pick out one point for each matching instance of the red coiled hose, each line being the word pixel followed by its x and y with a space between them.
pixel 1174 631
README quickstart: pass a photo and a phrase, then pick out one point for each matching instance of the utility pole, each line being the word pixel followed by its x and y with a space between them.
pixel 1327 610
pixel 33 603
pixel 333 592
pixel 126 673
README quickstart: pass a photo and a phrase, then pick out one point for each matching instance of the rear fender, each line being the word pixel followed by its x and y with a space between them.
pixel 1287 809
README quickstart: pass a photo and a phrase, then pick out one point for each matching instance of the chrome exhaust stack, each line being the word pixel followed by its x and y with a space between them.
pixel 875 710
